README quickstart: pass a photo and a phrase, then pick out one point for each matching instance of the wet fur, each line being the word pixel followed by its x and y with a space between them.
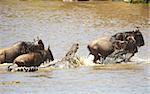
pixel 34 58
pixel 7 55
pixel 100 48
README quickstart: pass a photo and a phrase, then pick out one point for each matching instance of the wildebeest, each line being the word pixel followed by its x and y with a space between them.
pixel 34 58
pixel 8 54
pixel 132 46
pixel 101 47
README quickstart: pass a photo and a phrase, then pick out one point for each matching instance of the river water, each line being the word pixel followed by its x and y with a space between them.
pixel 60 25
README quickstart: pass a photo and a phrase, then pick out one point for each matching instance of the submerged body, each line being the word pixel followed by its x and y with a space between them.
pixel 34 58
pixel 28 60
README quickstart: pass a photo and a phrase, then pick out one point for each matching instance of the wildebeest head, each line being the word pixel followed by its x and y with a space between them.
pixel 34 46
pixel 39 43
pixel 139 38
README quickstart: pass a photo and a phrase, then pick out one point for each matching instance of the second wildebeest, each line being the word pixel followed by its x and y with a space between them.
pixel 132 46
pixel 35 46
pixel 34 58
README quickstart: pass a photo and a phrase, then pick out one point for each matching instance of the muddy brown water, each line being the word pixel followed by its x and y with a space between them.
pixel 62 24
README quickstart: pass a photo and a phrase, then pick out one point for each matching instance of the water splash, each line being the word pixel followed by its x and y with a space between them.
pixel 88 61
